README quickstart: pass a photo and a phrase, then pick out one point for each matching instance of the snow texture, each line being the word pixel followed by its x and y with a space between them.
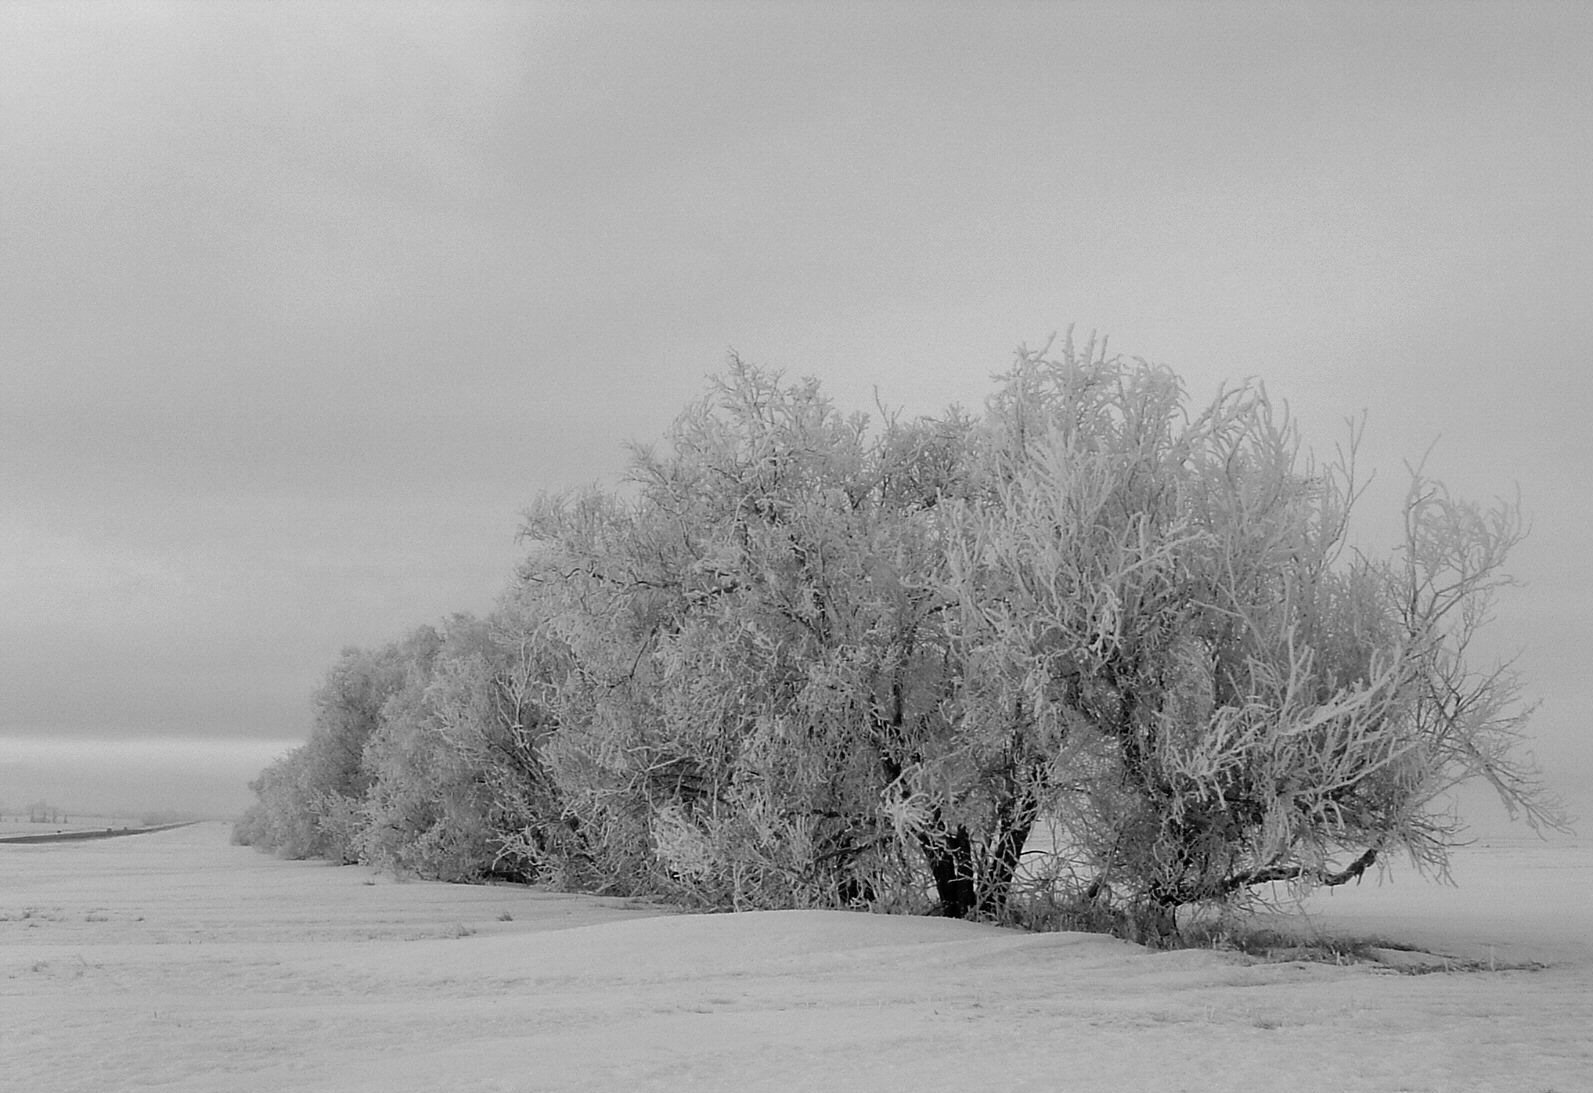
pixel 175 961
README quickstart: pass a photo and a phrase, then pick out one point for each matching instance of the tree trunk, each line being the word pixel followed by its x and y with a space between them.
pixel 951 863
pixel 1014 821
pixel 978 887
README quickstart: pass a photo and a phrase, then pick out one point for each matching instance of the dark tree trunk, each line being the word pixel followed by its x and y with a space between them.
pixel 951 863
pixel 1014 821
pixel 969 883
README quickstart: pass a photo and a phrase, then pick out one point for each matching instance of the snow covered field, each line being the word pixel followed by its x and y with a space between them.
pixel 175 961
pixel 14 825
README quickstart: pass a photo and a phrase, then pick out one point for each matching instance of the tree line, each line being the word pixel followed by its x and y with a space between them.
pixel 802 659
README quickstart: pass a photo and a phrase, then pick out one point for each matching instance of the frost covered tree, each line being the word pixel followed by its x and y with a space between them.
pixel 310 803
pixel 752 636
pixel 454 765
pixel 801 659
pixel 1211 693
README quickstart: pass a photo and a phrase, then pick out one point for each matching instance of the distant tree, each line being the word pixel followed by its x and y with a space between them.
pixel 458 791
pixel 310 802
pixel 285 817
pixel 493 698
pixel 408 815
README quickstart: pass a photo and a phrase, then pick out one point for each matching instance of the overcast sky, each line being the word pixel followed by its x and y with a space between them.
pixel 301 304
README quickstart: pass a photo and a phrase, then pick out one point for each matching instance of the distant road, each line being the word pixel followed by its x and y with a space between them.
pixel 90 833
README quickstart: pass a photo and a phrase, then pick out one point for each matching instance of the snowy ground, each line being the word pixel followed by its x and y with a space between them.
pixel 174 961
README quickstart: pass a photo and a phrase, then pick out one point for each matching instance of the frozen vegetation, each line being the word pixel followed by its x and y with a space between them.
pixel 806 660
pixel 178 962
